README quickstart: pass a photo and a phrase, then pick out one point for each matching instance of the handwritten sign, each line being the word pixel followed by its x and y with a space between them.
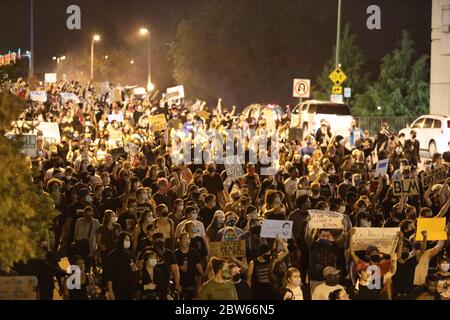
pixel 131 148
pixel 325 220
pixel 158 122
pixel 50 78
pixel 38 96
pixel 385 239
pixel 382 168
pixel 227 249
pixel 434 177
pixel 69 96
pixel 175 93
pixel 233 167
pixel 115 117
pixel 435 227
pixel 18 288
pixel 276 228
pixel 409 187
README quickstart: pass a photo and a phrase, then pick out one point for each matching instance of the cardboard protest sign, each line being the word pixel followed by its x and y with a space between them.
pixel 140 91
pixel 382 168
pixel 115 95
pixel 227 249
pixel 233 167
pixel 69 96
pixel 131 148
pixel 50 78
pixel 38 96
pixel 385 239
pixel 408 187
pixel 117 117
pixel 277 228
pixel 435 227
pixel 50 131
pixel 18 288
pixel 175 93
pixel 434 177
pixel 325 220
pixel 158 122
pixel 117 153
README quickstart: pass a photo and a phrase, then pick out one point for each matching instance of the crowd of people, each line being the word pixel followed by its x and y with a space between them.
pixel 138 213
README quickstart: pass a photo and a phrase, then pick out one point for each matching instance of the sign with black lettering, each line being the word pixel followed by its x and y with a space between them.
pixel 433 177
pixel 408 187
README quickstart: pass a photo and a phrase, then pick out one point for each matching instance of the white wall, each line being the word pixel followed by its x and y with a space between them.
pixel 440 58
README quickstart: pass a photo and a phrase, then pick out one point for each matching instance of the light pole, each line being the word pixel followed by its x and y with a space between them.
pixel 338 37
pixel 95 39
pixel 145 32
pixel 31 56
pixel 58 61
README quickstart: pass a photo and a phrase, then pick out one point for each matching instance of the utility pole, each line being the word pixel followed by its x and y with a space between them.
pixel 338 37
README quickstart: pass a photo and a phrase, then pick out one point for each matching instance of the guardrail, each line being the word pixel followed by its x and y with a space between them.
pixel 373 124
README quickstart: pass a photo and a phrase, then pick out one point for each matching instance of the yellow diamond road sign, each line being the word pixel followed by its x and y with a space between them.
pixel 338 76
pixel 337 90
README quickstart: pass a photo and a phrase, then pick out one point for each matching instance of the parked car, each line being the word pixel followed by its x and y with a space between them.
pixel 309 115
pixel 433 133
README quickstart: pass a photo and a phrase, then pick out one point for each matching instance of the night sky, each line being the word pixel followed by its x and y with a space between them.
pixel 118 21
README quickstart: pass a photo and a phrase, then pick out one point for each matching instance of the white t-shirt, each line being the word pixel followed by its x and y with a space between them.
pixel 290 186
pixel 298 293
pixel 322 292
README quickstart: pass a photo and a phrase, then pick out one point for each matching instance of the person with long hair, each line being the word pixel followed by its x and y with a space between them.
pixel 216 224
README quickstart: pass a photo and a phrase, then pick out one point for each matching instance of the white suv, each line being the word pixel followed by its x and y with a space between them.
pixel 433 133
pixel 309 114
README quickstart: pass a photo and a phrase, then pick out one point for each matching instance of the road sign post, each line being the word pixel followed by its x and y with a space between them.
pixel 302 89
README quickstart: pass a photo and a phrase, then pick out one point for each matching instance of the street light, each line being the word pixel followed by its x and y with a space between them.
pixel 338 37
pixel 106 57
pixel 132 61
pixel 58 61
pixel 145 32
pixel 95 38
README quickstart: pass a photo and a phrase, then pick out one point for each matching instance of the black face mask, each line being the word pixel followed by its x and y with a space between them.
pixel 160 245
pixel 405 255
pixel 409 234
pixel 256 230
pixel 375 259
pixel 237 277
pixel 231 223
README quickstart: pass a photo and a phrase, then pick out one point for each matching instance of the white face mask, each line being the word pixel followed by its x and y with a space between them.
pixel 342 209
pixel 332 171
pixel 127 244
pixel 444 267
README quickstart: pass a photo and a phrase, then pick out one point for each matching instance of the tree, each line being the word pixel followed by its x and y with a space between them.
pixel 249 52
pixel 352 61
pixel 402 88
pixel 26 214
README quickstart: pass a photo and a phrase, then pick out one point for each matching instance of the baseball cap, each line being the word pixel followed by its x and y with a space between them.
pixel 329 271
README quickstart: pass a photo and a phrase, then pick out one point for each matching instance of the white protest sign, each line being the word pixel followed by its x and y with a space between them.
pixel 276 228
pixel 233 167
pixel 50 131
pixel 382 168
pixel 325 220
pixel 115 95
pixel 302 88
pixel 385 239
pixel 69 96
pixel 175 93
pixel 29 141
pixel 38 96
pixel 117 117
pixel 131 148
pixel 50 78
pixel 139 91
pixel 18 288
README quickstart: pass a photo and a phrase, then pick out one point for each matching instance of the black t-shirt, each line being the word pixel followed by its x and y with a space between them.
pixel 404 277
pixel 117 268
pixel 213 184
pixel 325 191
pixel 186 264
pixel 166 199
pixel 198 244
pixel 142 207
pixel 364 293
pixel 207 215
pixel 126 221
pixel 446 156
pixel 140 173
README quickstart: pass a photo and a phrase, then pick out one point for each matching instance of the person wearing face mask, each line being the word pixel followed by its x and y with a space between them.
pixel 107 234
pixel 260 271
pixel 231 220
pixel 191 214
pixel 293 285
pixel 142 201
pixel 325 189
pixel 206 214
pixel 120 269
pixel 323 251
pixel 85 230
pixel 189 264
pixel 290 186
pixel 164 224
pixel 315 196
pixel 332 279
pixel 152 278
pixel 443 278
pixel 140 231
pixel 217 223
pixel 220 287
pixel 412 149
pixel 409 252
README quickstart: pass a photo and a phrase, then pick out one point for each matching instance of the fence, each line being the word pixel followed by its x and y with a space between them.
pixel 373 124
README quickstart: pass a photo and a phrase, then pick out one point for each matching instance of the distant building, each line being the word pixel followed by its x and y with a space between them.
pixel 440 58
